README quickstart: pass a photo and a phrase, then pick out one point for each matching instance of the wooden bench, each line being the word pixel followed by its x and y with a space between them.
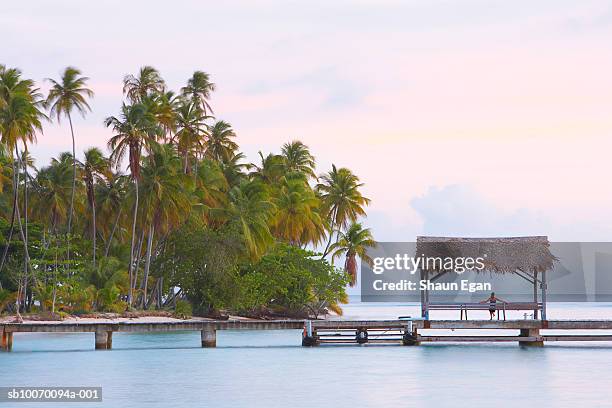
pixel 499 306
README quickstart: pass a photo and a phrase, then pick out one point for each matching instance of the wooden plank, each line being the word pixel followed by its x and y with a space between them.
pixel 579 324
pixel 381 341
pixel 318 325
pixel 476 338
pixel 155 327
pixel 518 324
pixel 486 306
pixel 352 336
pixel 354 324
pixel 353 329
pixel 482 324
pixel 577 337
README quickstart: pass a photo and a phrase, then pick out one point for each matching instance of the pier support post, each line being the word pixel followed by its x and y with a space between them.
pixel 410 339
pixel 310 341
pixel 109 340
pixel 309 336
pixel 102 340
pixel 361 335
pixel 531 333
pixel 209 337
pixel 7 340
pixel 411 336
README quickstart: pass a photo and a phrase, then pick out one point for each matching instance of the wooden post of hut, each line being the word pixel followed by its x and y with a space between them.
pixel 425 294
pixel 422 294
pixel 543 295
pixel 535 292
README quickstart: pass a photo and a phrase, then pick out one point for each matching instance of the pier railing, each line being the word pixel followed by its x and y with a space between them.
pixel 499 307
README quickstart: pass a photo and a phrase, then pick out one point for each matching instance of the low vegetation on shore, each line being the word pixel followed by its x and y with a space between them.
pixel 173 217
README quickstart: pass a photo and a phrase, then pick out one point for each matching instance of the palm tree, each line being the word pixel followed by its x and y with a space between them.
pixel 297 219
pixel 250 210
pixel 18 99
pixel 342 201
pixel 220 146
pixel 65 96
pixel 95 168
pixel 11 84
pixel 27 162
pixel 111 195
pixel 20 120
pixel 233 169
pixel 191 132
pixel 352 243
pixel 147 82
pixel 298 158
pixel 4 91
pixel 211 187
pixel 164 106
pixel 199 89
pixel 270 170
pixel 5 175
pixel 52 188
pixel 136 128
pixel 165 197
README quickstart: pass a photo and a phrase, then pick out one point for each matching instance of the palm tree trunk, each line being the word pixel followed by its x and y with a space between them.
pixel 110 238
pixel 25 190
pixel 147 302
pixel 93 209
pixel 10 237
pixel 54 279
pixel 18 215
pixel 160 282
pixel 131 266
pixel 138 259
pixel 331 234
pixel 147 265
pixel 73 178
pixel 25 209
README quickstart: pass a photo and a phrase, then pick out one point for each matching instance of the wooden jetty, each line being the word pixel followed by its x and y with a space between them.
pixel 501 257
pixel 410 332
pixel 319 332
pixel 104 331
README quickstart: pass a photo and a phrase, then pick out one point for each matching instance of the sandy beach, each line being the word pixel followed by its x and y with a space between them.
pixel 114 319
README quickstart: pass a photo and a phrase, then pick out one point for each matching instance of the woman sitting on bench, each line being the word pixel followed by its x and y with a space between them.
pixel 492 301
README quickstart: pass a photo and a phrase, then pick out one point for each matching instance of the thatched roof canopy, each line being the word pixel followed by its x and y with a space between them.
pixel 501 255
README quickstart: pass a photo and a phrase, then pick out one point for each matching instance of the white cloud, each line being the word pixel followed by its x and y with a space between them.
pixel 458 210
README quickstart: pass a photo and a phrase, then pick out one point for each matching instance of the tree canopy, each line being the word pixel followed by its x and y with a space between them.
pixel 172 212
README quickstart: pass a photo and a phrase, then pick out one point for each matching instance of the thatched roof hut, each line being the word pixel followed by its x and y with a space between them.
pixel 501 255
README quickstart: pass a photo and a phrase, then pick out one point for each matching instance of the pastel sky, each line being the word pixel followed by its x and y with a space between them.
pixel 472 117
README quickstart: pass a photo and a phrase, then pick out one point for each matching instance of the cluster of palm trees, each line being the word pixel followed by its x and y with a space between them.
pixel 182 163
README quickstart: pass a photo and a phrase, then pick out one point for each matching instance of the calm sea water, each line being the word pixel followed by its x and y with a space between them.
pixel 271 369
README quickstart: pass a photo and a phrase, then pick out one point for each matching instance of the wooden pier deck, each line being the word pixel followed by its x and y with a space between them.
pixel 316 332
